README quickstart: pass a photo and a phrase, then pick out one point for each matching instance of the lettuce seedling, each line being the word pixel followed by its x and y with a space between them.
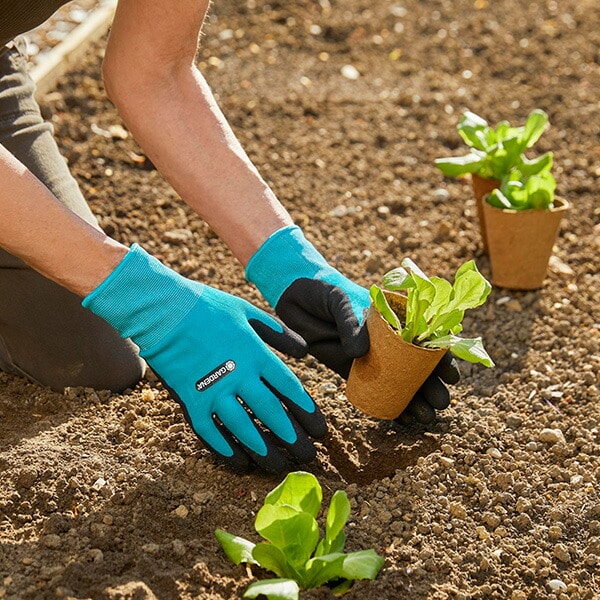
pixel 293 549
pixel 496 151
pixel 519 191
pixel 435 308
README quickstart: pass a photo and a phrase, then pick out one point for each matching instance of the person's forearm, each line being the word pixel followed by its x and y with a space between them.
pixel 38 229
pixel 169 108
pixel 184 133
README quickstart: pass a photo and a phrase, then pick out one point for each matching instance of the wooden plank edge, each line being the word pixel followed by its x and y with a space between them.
pixel 65 55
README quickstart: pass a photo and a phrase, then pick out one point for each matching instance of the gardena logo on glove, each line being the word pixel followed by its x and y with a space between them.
pixel 214 376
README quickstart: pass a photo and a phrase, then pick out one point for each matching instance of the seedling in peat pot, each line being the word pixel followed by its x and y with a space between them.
pixel 496 151
pixel 292 548
pixel 413 321
pixel 435 308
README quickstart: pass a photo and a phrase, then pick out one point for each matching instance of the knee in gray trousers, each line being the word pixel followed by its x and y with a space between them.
pixel 45 333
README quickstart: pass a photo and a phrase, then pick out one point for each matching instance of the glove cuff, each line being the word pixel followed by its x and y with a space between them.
pixel 142 298
pixel 284 256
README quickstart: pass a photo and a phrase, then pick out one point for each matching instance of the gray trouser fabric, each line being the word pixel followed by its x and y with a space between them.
pixel 45 333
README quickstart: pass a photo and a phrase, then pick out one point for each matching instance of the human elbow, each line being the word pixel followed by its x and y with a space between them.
pixel 128 79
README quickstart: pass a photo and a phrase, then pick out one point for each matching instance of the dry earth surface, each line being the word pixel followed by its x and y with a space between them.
pixel 112 497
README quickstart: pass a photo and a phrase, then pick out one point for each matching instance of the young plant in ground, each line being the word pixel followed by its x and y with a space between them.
pixel 521 191
pixel 496 151
pixel 293 549
pixel 435 308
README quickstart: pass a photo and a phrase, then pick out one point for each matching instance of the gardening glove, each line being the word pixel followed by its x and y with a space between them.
pixel 209 349
pixel 327 310
pixel 312 298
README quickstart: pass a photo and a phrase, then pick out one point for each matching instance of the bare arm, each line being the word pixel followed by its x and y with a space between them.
pixel 149 73
pixel 48 237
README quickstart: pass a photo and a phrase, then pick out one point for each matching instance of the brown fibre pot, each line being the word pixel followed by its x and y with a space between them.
pixel 481 188
pixel 520 244
pixel 384 381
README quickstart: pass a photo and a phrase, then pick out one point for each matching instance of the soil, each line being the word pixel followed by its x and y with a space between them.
pixel 112 497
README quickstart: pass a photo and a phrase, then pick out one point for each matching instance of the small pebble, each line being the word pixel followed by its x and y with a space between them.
pixel 514 420
pixel 181 511
pixel 177 235
pixel 441 194
pixel 514 305
pixel 558 266
pixel 350 72
pixel 551 436
pixel 557 585
pixel 494 453
pixel 339 211
pixel 328 388
pixel 99 484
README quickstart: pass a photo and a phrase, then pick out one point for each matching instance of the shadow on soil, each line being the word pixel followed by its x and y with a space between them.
pixel 382 461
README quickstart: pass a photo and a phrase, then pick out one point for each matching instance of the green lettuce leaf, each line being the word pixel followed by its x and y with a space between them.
pixel 300 490
pixel 274 589
pixel 237 549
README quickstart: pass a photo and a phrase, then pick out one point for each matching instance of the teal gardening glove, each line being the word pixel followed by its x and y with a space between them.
pixel 311 297
pixel 327 310
pixel 209 349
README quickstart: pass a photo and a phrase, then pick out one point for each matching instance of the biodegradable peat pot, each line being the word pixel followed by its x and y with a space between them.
pixel 520 244
pixel 481 188
pixel 384 381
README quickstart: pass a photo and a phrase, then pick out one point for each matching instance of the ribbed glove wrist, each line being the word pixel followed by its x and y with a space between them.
pixel 285 256
pixel 143 299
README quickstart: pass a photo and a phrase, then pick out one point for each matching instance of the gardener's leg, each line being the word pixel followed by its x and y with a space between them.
pixel 45 333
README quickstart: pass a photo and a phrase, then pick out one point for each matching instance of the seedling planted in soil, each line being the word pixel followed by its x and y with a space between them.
pixel 292 548
pixel 435 308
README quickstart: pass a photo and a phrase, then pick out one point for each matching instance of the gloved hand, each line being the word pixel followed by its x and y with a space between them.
pixel 208 347
pixel 312 298
pixel 327 310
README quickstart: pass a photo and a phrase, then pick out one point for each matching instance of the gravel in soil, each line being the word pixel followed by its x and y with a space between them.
pixel 343 107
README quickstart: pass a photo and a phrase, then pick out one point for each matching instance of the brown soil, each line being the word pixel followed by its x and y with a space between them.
pixel 482 504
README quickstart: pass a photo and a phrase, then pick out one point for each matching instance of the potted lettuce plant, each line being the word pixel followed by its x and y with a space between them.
pixel 493 153
pixel 523 218
pixel 413 321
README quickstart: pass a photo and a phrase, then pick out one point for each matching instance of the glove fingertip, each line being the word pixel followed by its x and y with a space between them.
pixel 421 410
pixel 358 345
pixel 448 370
